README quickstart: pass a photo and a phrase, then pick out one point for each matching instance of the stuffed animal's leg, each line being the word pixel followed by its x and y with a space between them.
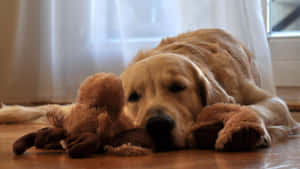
pixel 49 137
pixel 229 127
pixel 112 137
pixel 131 142
pixel 244 130
pixel 206 134
pixel 46 138
pixel 121 138
pixel 24 143
pixel 82 145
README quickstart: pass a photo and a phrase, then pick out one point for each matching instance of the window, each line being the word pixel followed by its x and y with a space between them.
pixel 283 27
pixel 285 16
pixel 110 25
pixel 152 20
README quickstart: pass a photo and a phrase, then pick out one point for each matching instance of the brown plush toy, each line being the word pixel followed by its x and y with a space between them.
pixel 96 124
pixel 229 127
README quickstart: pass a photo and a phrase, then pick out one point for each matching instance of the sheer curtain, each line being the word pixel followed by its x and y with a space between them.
pixel 58 43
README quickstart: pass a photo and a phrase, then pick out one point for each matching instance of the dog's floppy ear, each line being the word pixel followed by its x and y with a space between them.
pixel 210 90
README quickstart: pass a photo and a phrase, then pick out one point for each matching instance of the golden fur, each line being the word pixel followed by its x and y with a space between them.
pixel 215 68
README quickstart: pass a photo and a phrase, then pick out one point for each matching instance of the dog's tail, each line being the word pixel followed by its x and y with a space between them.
pixel 12 114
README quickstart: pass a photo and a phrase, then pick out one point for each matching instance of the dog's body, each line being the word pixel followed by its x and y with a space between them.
pixel 167 87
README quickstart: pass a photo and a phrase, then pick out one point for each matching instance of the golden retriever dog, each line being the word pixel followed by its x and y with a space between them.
pixel 167 89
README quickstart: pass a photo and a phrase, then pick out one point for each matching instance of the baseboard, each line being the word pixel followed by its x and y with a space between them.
pixel 289 94
pixel 294 106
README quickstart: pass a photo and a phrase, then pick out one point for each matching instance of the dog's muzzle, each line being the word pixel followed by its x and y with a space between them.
pixel 160 126
pixel 160 123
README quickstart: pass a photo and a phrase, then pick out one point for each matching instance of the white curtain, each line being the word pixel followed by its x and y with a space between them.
pixel 60 42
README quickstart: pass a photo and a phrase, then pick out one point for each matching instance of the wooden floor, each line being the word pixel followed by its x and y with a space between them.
pixel 285 155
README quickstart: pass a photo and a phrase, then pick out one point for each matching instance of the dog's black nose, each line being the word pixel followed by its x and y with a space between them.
pixel 160 123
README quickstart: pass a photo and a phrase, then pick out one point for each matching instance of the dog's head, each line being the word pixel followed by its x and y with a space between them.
pixel 164 93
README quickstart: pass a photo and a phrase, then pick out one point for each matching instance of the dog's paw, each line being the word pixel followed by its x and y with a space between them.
pixel 82 145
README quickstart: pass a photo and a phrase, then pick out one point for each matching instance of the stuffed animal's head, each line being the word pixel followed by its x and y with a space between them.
pixel 102 91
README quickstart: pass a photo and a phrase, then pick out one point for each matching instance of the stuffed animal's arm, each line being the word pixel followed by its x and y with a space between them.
pixel 47 138
pixel 229 127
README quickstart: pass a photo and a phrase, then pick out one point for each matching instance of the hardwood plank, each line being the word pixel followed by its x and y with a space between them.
pixel 296 116
pixel 293 106
pixel 284 155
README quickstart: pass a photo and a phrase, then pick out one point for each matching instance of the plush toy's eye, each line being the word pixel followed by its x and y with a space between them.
pixel 176 87
pixel 134 97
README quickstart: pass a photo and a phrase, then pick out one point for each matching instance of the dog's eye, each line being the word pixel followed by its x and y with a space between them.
pixel 176 87
pixel 134 97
